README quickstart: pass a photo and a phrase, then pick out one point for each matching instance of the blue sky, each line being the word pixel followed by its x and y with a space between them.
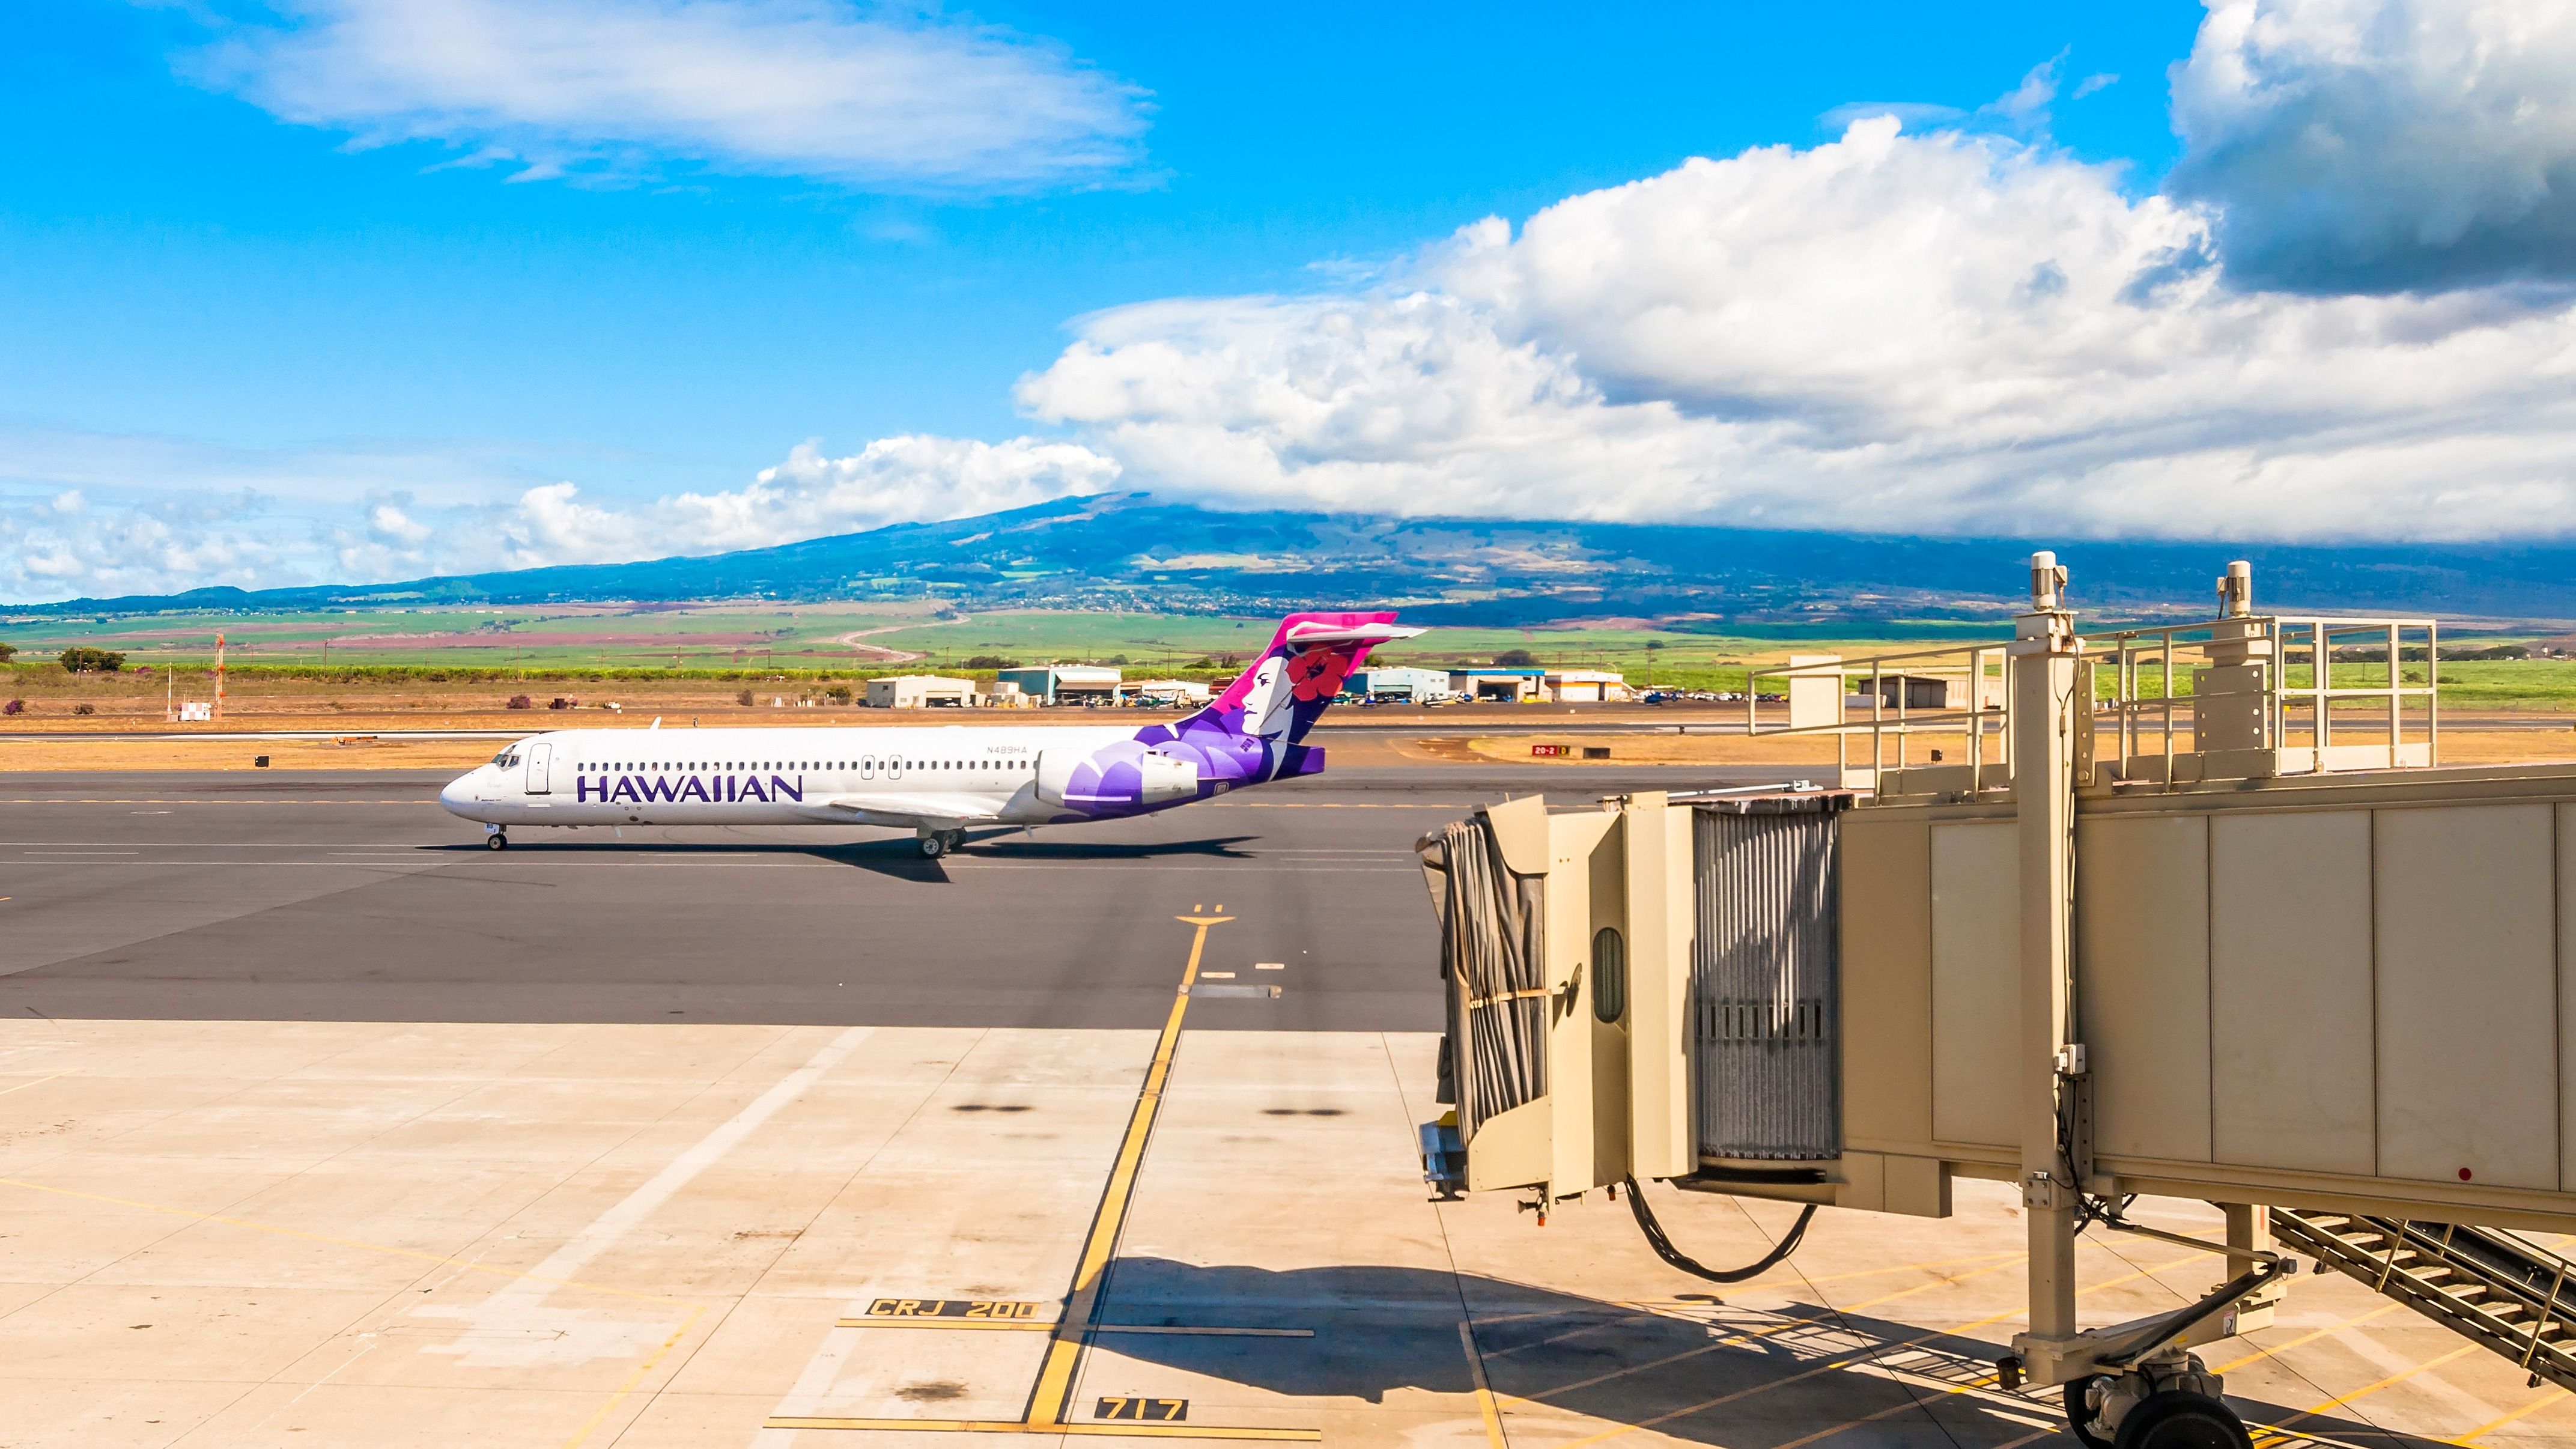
pixel 236 306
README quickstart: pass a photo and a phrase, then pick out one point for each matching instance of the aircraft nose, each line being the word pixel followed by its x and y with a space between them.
pixel 459 794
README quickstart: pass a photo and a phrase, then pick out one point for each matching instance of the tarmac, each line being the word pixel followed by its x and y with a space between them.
pixel 322 1125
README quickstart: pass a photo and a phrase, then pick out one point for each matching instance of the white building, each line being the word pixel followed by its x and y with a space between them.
pixel 919 691
pixel 1932 691
pixel 1511 686
pixel 1586 686
pixel 1186 693
pixel 1414 685
pixel 1066 683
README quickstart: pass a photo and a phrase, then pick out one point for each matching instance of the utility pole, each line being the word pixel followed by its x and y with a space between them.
pixel 219 675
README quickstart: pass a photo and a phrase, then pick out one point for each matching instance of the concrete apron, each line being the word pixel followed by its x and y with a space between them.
pixel 352 1234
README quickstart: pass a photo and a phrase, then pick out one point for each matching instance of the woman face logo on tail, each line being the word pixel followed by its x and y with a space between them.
pixel 1270 707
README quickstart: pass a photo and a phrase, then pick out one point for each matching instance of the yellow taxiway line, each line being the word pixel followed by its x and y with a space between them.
pixel 1072 1333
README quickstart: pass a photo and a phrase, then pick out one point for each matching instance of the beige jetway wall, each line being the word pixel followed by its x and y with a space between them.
pixel 1618 1090
pixel 2353 993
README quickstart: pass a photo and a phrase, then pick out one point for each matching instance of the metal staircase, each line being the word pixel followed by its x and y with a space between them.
pixel 2496 1288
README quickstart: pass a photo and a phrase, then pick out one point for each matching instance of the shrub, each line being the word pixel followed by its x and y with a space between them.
pixel 15 706
pixel 988 661
pixel 521 701
pixel 743 698
pixel 838 694
pixel 84 660
pixel 564 702
pixel 84 709
pixel 8 651
pixel 1516 659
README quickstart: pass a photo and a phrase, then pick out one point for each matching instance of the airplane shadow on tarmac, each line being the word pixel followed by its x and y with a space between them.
pixel 1699 1369
pixel 902 860
pixel 898 857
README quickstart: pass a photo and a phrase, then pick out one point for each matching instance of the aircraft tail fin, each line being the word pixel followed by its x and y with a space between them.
pixel 1288 687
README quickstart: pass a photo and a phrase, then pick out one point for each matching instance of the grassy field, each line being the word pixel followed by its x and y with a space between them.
pixel 828 637
pixel 703 654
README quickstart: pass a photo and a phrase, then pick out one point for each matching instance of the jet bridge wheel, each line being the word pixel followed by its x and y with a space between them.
pixel 2178 1419
pixel 2079 1415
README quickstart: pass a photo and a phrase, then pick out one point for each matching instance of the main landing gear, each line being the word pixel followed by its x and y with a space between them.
pixel 494 838
pixel 936 843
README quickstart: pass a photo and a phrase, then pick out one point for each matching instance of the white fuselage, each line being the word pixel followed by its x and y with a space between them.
pixel 898 776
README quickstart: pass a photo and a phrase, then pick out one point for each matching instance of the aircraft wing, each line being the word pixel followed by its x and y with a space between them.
pixel 905 812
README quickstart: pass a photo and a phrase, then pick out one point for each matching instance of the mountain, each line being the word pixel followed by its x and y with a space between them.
pixel 1133 551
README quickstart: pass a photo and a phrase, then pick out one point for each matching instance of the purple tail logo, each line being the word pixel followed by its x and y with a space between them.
pixel 1255 730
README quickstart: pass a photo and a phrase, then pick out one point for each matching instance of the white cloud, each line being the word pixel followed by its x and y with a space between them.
pixel 1939 334
pixel 2022 111
pixel 179 525
pixel 908 479
pixel 813 88
pixel 51 551
pixel 84 513
pixel 2383 145
pixel 391 525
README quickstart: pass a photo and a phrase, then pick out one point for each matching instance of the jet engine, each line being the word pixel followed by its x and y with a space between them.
pixel 1055 773
pixel 1118 775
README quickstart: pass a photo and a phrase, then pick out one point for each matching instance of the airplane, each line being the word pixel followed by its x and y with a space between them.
pixel 933 780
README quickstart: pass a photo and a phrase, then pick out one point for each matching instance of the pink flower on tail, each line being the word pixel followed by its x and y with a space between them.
pixel 1317 673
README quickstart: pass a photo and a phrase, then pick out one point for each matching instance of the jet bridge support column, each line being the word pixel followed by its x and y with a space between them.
pixel 2043 658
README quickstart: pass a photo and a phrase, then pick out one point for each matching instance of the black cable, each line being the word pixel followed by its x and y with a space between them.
pixel 1665 1250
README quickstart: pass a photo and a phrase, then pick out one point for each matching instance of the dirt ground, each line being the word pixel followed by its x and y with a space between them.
pixel 2470 740
pixel 373 724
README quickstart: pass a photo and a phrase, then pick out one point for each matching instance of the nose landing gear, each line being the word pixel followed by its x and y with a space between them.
pixel 494 838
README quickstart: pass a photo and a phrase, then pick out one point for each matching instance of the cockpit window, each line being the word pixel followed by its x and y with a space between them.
pixel 507 758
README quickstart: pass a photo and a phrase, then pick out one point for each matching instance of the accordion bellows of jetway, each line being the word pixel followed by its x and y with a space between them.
pixel 2104 964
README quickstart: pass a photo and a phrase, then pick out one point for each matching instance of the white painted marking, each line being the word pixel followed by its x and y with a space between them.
pixel 1269 966
pixel 822 1372
pixel 1216 976
pixel 497 1329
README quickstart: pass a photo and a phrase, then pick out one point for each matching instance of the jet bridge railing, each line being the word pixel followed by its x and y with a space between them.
pixel 2259 694
pixel 1966 680
pixel 2240 696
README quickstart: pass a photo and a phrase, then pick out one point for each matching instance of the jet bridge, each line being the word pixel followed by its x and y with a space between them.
pixel 2196 913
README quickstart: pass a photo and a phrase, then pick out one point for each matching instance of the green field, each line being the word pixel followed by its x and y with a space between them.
pixel 842 639
pixel 851 640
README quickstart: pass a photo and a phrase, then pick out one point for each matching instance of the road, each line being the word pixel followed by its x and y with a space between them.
pixel 353 897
